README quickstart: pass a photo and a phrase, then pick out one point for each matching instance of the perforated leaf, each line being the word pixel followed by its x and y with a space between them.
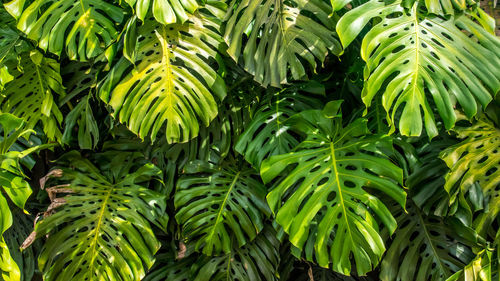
pixel 164 11
pixel 33 93
pixel 326 196
pixel 284 37
pixel 172 82
pixel 423 63
pixel 267 134
pixel 476 160
pixel 103 229
pixel 423 248
pixel 257 260
pixel 219 203
pixel 85 28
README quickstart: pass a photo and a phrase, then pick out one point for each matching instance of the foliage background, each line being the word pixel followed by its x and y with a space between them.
pixel 249 140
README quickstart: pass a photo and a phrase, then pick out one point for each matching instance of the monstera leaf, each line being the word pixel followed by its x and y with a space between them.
pixel 426 182
pixel 478 269
pixel 165 11
pixel 423 248
pixel 14 187
pixel 257 260
pixel 14 237
pixel 217 203
pixel 326 196
pixel 32 93
pixel 80 82
pixel 102 231
pixel 283 36
pixel 84 27
pixel 267 135
pixel 172 81
pixel 476 161
pixel 418 60
pixel 11 44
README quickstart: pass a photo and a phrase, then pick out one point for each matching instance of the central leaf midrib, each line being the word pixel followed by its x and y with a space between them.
pixel 222 206
pixel 97 229
pixel 443 269
pixel 169 91
pixel 334 164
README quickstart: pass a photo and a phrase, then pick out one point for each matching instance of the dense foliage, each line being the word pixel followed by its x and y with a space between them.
pixel 249 140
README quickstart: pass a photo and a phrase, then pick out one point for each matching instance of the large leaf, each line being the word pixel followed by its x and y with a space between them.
pixel 219 203
pixel 267 135
pixel 476 161
pixel 102 231
pixel 32 93
pixel 326 198
pixel 165 11
pixel 257 260
pixel 172 81
pixel 283 36
pixel 84 27
pixel 423 62
pixel 423 248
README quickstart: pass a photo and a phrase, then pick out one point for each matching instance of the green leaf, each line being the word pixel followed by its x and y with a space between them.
pixel 80 80
pixel 478 269
pixel 172 82
pixel 14 237
pixel 426 181
pixel 32 93
pixel 267 134
pixel 85 28
pixel 102 231
pixel 219 203
pixel 283 37
pixel 476 160
pixel 257 260
pixel 165 12
pixel 8 267
pixel 423 248
pixel 423 63
pixel 322 199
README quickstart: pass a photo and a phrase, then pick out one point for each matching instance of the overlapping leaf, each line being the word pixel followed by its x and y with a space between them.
pixel 80 82
pixel 267 134
pixel 284 37
pixel 327 197
pixel 165 11
pixel 423 248
pixel 32 95
pixel 423 63
pixel 173 79
pixel 84 28
pixel 257 260
pixel 219 203
pixel 475 169
pixel 13 186
pixel 103 231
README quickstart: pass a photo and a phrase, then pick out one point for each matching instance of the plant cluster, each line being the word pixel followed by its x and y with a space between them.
pixel 249 140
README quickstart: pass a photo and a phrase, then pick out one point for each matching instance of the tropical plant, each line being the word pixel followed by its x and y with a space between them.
pixel 249 140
